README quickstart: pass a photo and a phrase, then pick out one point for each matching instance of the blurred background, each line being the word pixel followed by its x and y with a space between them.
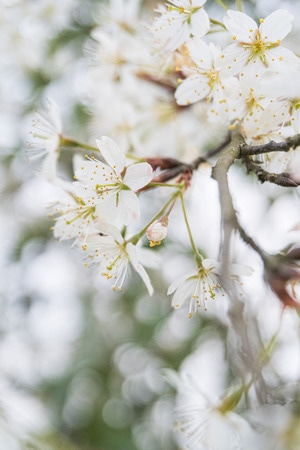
pixel 82 368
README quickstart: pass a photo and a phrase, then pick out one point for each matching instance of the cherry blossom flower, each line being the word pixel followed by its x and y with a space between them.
pixel 47 133
pixel 266 124
pixel 204 421
pixel 206 79
pixel 182 19
pixel 112 186
pixel 204 284
pixel 75 218
pixel 252 99
pixel 258 47
pixel 114 256
pixel 287 86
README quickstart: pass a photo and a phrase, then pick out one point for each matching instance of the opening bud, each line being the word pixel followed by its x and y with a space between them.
pixel 157 231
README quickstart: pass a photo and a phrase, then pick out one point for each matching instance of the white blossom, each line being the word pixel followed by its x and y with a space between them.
pixel 46 133
pixel 113 185
pixel 286 87
pixel 204 284
pixel 180 20
pixel 74 217
pixel 258 48
pixel 207 80
pixel 266 124
pixel 114 256
pixel 206 421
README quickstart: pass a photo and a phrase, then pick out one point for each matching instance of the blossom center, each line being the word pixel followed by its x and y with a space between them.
pixel 252 102
pixel 213 77
pixel 258 47
pixel 182 10
pixel 295 104
pixel 83 213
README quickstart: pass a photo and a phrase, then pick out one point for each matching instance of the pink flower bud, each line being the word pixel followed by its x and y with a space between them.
pixel 157 231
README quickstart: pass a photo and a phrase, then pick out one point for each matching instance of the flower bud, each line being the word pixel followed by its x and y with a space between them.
pixel 157 231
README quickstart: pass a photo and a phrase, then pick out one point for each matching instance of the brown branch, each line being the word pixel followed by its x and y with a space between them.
pixel 281 179
pixel 272 146
pixel 172 168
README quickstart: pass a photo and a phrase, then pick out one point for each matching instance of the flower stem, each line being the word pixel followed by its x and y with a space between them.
pixel 69 142
pixel 134 239
pixel 222 4
pixel 198 256
pixel 239 5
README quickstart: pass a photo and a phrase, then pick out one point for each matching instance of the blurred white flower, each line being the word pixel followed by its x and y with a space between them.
pixel 47 133
pixel 206 79
pixel 207 428
pixel 124 13
pixel 204 284
pixel 287 87
pixel 179 21
pixel 264 125
pixel 204 421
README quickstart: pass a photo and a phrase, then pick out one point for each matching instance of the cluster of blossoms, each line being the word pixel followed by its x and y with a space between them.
pixel 240 81
pixel 99 206
pixel 233 84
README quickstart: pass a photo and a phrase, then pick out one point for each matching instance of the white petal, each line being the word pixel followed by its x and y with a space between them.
pixel 240 25
pixel 107 210
pixel 282 59
pixel 130 206
pixel 192 89
pixel 277 25
pixel 170 27
pixel 138 176
pixel 108 228
pixel 234 269
pixel 179 34
pixel 54 116
pixel 183 293
pixel 200 23
pixel 132 253
pixel 112 153
pixel 149 258
pixel 233 59
pixel 295 119
pixel 93 173
pixel 180 280
pixel 200 53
